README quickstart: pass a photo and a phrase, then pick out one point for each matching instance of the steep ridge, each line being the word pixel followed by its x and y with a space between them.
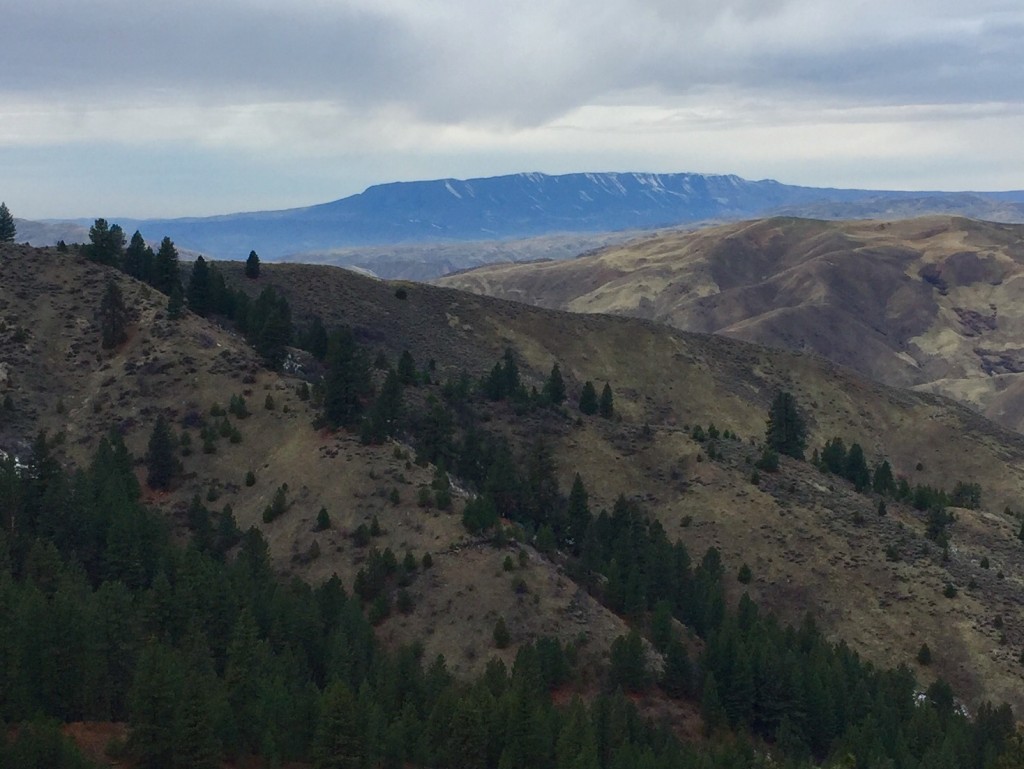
pixel 931 303
pixel 812 543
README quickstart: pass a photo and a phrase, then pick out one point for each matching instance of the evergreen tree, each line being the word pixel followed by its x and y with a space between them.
pixel 605 406
pixel 628 668
pixel 786 432
pixel 577 743
pixel 387 409
pixel 339 742
pixel 175 302
pixel 512 386
pixel 160 459
pixel 882 480
pixel 252 266
pixel 268 326
pixel 833 456
pixel 196 742
pixel 588 399
pixel 198 292
pixel 166 269
pixel 313 338
pixel 138 258
pixel 113 316
pixel 554 388
pixel 407 369
pixel 856 470
pixel 578 516
pixel 347 381
pixel 8 231
pixel 677 676
pixel 106 243
pixel 153 703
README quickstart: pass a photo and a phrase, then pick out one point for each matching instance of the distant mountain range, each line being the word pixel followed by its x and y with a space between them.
pixel 531 204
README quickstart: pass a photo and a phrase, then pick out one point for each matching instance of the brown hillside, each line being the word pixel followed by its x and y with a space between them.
pixel 931 303
pixel 811 542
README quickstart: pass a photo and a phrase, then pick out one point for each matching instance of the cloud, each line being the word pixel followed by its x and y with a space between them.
pixel 437 87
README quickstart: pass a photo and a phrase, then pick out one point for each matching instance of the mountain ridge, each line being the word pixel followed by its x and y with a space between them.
pixel 527 205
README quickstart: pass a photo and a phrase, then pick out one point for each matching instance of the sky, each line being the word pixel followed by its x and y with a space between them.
pixel 136 108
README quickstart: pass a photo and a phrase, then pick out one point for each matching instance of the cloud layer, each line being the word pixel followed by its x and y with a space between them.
pixel 325 94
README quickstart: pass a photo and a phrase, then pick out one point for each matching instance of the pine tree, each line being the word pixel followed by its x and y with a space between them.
pixel 196 743
pixel 106 243
pixel 554 388
pixel 339 741
pixel 152 706
pixel 578 516
pixel 856 470
pixel 882 481
pixel 387 409
pixel 198 293
pixel 166 270
pixel 512 386
pixel 113 316
pixel 677 676
pixel 407 369
pixel 786 432
pixel 8 231
pixel 588 399
pixel 252 266
pixel 175 302
pixel 137 262
pixel 628 669
pixel 160 459
pixel 605 406
pixel 347 381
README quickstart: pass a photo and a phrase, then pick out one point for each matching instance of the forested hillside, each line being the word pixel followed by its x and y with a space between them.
pixel 293 514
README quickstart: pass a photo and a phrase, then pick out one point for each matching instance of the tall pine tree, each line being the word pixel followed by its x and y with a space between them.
pixel 8 231
pixel 786 432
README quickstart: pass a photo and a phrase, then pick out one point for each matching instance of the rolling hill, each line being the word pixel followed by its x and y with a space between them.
pixel 931 303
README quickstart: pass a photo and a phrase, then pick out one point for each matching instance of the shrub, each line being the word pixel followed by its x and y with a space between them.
pixel 949 590
pixel 744 575
pixel 428 560
pixel 250 478
pixel 269 404
pixel 924 655
pixel 508 564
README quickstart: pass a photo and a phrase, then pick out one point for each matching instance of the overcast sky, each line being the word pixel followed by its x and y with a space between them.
pixel 139 108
